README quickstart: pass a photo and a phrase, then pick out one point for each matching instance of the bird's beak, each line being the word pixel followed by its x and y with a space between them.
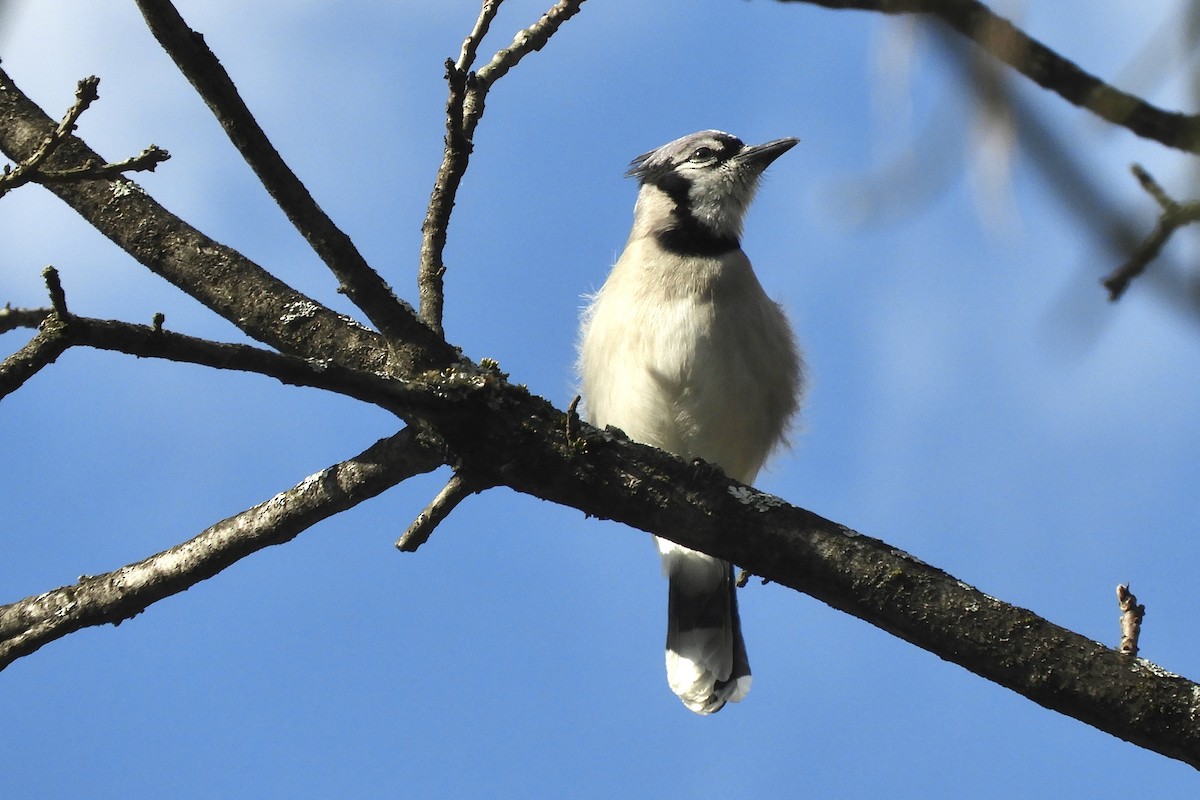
pixel 760 156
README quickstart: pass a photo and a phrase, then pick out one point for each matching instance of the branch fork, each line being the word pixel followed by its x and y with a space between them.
pixel 1173 216
pixel 33 169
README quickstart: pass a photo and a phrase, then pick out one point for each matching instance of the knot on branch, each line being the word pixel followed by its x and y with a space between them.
pixel 1132 614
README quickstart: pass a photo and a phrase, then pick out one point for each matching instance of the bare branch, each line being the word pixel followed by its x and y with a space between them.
pixel 145 161
pixel 501 435
pixel 394 318
pixel 218 276
pixel 58 298
pixel 454 492
pixel 85 94
pixel 41 351
pixel 1131 620
pixel 404 398
pixel 525 42
pixel 116 596
pixel 470 45
pixel 464 109
pixel 31 169
pixel 504 436
pixel 13 318
pixel 1173 217
pixel 1043 66
pixel 44 348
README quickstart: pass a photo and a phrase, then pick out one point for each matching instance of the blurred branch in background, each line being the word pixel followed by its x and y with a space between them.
pixel 1007 43
pixel 1174 216
pixel 1006 121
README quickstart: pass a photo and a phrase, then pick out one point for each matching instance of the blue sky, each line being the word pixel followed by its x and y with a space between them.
pixel 974 400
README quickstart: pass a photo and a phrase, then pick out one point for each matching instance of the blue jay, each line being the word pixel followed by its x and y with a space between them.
pixel 681 349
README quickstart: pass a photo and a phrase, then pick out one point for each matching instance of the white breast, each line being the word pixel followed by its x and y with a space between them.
pixel 690 355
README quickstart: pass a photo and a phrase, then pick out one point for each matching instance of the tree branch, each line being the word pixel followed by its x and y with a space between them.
pixel 1174 216
pixel 1043 66
pixel 395 319
pixel 39 352
pixel 504 436
pixel 85 94
pixel 454 492
pixel 13 318
pixel 218 276
pixel 145 161
pixel 44 348
pixel 464 109
pixel 30 170
pixel 405 398
pixel 116 596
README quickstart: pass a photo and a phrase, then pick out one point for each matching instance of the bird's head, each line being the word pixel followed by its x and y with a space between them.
pixel 695 190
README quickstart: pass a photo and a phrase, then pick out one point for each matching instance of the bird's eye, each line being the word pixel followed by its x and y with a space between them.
pixel 703 154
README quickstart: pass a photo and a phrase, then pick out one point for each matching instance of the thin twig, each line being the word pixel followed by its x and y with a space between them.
pixel 464 109
pixel 113 597
pixel 1174 216
pixel 1153 188
pixel 145 161
pixel 32 169
pixel 470 45
pixel 525 42
pixel 24 172
pixel 1131 619
pixel 151 341
pixel 454 492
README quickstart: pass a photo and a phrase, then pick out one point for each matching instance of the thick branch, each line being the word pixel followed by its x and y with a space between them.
pixel 1043 66
pixel 502 435
pixel 363 285
pixel 116 596
pixel 505 437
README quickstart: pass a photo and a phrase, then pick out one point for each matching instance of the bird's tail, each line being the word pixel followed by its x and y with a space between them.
pixel 706 656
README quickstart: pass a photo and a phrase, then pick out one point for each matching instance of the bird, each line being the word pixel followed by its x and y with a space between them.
pixel 683 350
